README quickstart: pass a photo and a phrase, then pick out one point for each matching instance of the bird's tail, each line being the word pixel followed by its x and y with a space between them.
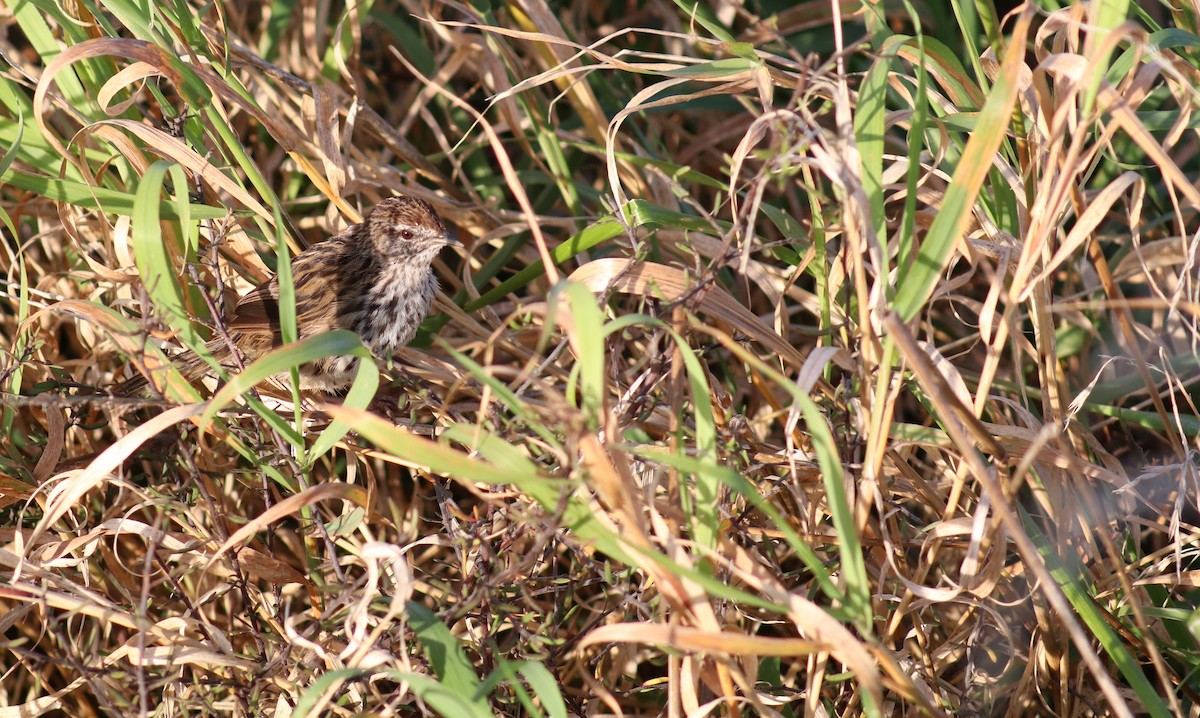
pixel 133 386
pixel 190 365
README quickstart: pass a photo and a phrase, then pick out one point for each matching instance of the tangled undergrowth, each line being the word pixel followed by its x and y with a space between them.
pixel 797 363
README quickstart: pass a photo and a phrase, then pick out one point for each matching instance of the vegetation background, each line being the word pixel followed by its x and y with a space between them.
pixel 803 359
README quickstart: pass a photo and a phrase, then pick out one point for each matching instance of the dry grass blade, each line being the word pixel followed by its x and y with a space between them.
pixel 690 639
pixel 287 507
pixel 873 390
pixel 670 284
pixel 72 486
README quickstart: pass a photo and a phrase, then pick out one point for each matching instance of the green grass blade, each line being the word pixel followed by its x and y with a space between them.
pixel 854 572
pixel 154 260
pixel 1083 603
pixel 1105 16
pixel 587 333
pixel 99 198
pixel 279 361
pixel 545 686
pixel 448 660
pixel 955 213
pixel 868 133
pixel 366 383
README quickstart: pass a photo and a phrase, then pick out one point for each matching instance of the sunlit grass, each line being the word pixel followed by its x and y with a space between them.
pixel 786 371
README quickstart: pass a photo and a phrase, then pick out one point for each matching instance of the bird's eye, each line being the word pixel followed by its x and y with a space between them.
pixel 406 233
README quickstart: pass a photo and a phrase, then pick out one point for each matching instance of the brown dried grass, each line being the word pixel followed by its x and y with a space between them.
pixel 766 476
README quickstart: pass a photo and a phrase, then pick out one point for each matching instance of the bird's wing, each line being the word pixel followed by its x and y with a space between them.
pixel 258 310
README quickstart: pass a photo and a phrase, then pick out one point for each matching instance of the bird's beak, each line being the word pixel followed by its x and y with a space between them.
pixel 451 239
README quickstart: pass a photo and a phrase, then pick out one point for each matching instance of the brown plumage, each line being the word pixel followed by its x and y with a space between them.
pixel 374 279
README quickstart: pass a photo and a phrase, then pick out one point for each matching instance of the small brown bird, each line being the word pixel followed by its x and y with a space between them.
pixel 374 279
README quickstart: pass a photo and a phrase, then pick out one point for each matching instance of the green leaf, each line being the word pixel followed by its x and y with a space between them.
pixel 447 701
pixel 637 213
pixel 545 686
pixel 506 464
pixel 703 507
pixel 1083 603
pixel 587 329
pixel 701 14
pixel 448 661
pixel 916 145
pixel 519 407
pixel 744 488
pixel 716 68
pixel 312 694
pixel 154 262
pixel 366 383
pixel 602 230
pixel 91 197
pixel 340 342
pixel 854 570
pixel 31 16
pixel 14 149
pixel 706 506
pixel 955 213
pixel 140 20
pixel 868 132
pixel 1105 16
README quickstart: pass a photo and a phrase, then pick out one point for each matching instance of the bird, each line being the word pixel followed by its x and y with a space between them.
pixel 375 279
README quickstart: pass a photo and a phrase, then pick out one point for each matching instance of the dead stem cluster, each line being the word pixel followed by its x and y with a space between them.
pixel 784 373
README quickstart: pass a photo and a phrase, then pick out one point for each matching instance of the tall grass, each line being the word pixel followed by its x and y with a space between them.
pixel 802 360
